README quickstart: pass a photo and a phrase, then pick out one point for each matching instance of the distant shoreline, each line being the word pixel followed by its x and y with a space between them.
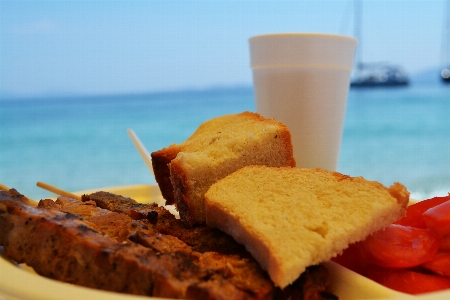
pixel 214 89
pixel 427 77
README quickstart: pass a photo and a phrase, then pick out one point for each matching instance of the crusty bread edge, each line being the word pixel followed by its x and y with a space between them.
pixel 189 213
pixel 286 137
pixel 160 161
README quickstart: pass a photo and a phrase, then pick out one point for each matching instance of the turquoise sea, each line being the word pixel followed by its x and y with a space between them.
pixel 78 143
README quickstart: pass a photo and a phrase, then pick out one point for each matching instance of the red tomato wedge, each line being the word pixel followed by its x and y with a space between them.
pixel 400 246
pixel 445 243
pixel 414 213
pixel 440 264
pixel 408 281
pixel 438 218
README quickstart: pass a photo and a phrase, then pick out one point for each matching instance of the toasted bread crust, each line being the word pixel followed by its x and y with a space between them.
pixel 180 186
pixel 160 162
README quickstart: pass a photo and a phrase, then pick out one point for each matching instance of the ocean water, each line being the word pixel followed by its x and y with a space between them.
pixel 79 143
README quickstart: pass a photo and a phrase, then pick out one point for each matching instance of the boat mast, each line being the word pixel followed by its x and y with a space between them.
pixel 357 24
pixel 445 72
pixel 447 33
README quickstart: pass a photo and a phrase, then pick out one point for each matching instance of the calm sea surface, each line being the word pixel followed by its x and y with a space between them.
pixel 82 143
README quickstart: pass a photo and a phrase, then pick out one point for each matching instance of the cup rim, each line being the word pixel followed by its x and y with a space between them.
pixel 304 34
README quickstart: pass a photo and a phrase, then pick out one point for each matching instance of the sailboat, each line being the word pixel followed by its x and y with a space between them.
pixel 445 73
pixel 379 75
pixel 374 74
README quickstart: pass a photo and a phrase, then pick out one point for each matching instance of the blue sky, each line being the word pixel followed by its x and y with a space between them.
pixel 108 47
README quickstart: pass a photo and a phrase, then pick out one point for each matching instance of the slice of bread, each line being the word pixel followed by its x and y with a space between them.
pixel 220 146
pixel 292 218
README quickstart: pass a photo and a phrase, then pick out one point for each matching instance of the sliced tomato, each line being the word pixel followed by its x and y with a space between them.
pixel 408 281
pixel 438 218
pixel 414 212
pixel 440 264
pixel 445 243
pixel 352 259
pixel 400 246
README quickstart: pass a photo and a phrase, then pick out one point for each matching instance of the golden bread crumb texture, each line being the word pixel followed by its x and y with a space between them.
pixel 291 218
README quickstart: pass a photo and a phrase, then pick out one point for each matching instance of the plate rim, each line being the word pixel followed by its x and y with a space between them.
pixel 40 287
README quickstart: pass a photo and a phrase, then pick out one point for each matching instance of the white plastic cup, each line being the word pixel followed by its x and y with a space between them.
pixel 302 80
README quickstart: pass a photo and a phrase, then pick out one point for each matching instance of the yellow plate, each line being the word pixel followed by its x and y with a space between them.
pixel 21 282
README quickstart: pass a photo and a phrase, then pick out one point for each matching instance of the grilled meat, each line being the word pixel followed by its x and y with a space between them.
pixel 66 247
pixel 201 238
pixel 81 243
